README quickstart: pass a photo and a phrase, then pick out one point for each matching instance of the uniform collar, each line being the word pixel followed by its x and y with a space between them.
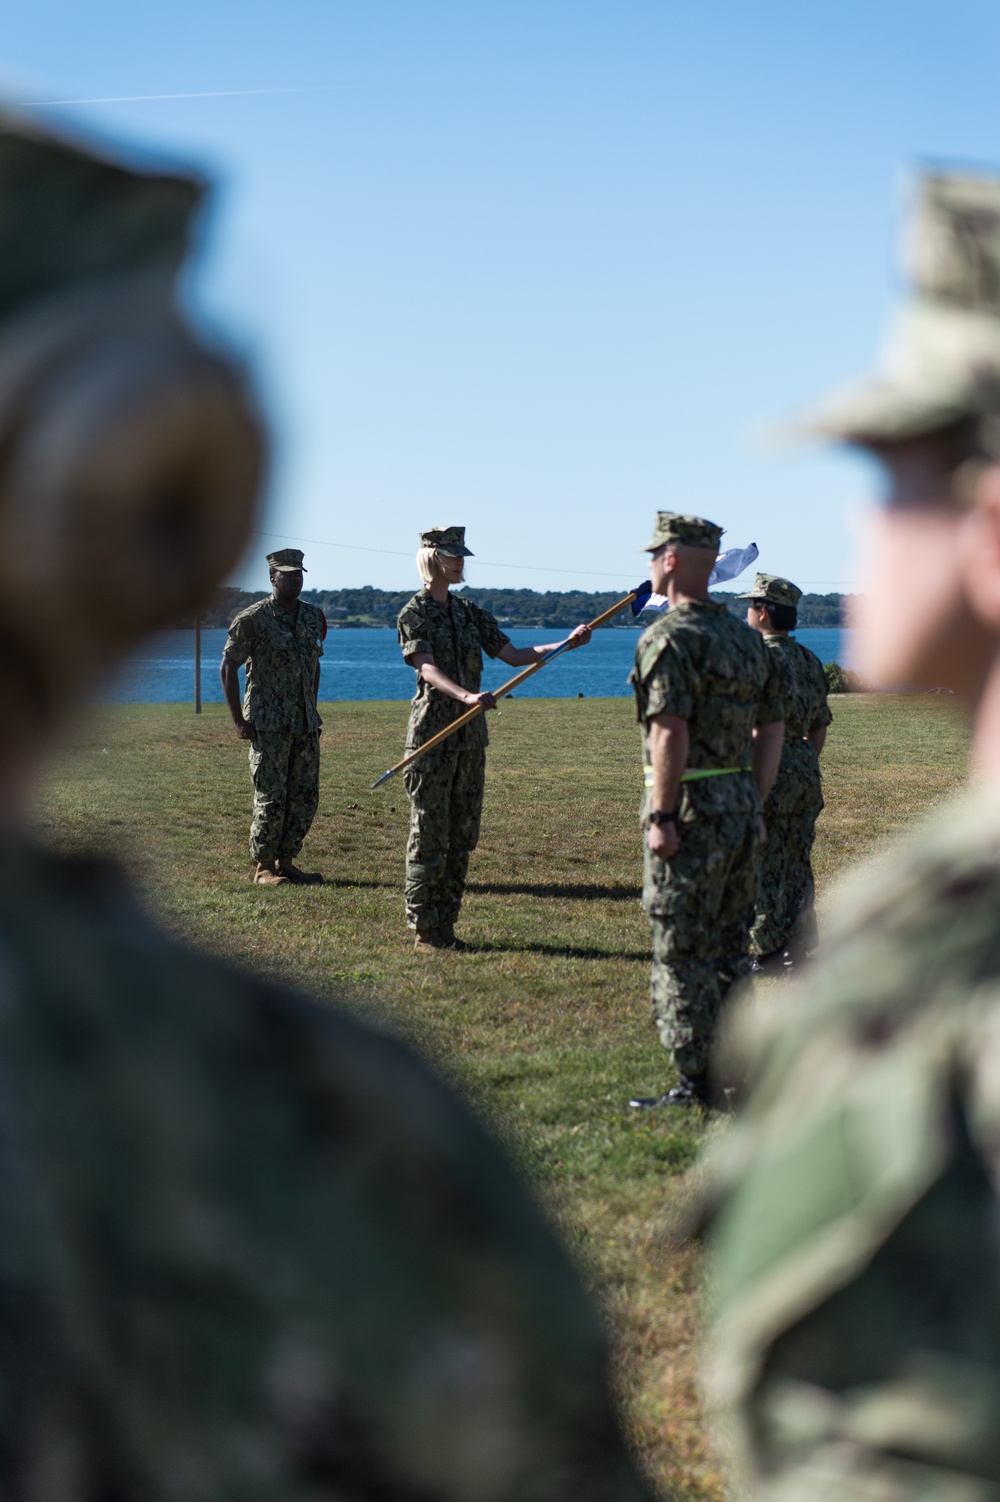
pixel 709 605
pixel 437 604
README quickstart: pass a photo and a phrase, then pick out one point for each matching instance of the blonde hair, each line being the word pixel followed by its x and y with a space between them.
pixel 429 565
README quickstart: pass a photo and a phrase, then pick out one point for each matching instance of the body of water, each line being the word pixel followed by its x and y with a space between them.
pixel 367 664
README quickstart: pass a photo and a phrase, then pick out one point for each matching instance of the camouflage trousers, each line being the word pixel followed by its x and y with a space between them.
pixel 701 908
pixel 446 805
pixel 284 770
pixel 785 881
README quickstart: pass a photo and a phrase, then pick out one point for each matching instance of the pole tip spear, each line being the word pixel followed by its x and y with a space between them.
pixel 384 778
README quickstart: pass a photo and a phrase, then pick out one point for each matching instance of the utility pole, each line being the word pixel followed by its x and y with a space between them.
pixel 197 662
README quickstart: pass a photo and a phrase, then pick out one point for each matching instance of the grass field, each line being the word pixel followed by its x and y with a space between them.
pixel 544 1024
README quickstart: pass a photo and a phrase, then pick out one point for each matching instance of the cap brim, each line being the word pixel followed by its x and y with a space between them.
pixel 289 568
pixel 456 552
pixel 666 542
pixel 875 412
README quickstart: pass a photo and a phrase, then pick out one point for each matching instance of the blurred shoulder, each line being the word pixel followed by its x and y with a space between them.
pixel 911 950
pixel 181 1047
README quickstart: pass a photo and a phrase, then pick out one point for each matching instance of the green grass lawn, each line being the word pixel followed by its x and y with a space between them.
pixel 544 1024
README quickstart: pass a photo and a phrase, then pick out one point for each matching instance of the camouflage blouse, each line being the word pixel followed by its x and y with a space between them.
pixel 803 686
pixel 455 634
pixel 250 1249
pixel 700 663
pixel 282 652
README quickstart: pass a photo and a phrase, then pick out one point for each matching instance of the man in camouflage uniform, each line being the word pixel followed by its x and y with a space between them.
pixel 703 682
pixel 855 1206
pixel 281 641
pixel 443 637
pixel 785 880
pixel 250 1249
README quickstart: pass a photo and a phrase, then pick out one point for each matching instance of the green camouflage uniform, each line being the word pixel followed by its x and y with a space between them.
pixel 854 1206
pixel 785 879
pixel 700 663
pixel 856 1240
pixel 281 650
pixel 446 785
pixel 251 1250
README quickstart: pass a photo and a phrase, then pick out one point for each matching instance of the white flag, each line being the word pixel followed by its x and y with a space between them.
pixel 728 565
pixel 731 564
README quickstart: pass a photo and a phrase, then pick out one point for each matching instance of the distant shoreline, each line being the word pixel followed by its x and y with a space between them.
pixel 555 610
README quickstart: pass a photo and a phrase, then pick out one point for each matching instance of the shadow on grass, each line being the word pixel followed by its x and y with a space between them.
pixel 560 951
pixel 584 890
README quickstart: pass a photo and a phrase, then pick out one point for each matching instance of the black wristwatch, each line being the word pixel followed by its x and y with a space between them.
pixel 660 816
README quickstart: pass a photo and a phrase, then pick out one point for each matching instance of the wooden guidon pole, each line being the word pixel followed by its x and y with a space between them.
pixel 499 693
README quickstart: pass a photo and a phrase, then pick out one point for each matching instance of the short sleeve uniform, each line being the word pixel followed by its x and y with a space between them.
pixel 700 663
pixel 455 633
pixel 798 786
pixel 703 665
pixel 281 652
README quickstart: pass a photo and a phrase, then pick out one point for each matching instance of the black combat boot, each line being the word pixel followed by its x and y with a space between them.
pixel 690 1090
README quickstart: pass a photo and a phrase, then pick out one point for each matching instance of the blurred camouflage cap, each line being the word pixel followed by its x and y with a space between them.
pixel 773 589
pixel 941 361
pixel 692 531
pixel 287 561
pixel 450 540
pixel 72 216
pixel 128 442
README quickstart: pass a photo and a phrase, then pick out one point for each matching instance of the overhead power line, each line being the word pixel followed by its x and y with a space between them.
pixel 321 88
pixel 829 585
pixel 321 542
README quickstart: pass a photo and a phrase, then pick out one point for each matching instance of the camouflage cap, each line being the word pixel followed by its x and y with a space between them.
pixel 691 531
pixel 941 362
pixel 449 540
pixel 773 589
pixel 287 561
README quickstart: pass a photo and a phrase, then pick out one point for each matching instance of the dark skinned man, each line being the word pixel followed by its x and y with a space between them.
pixel 281 641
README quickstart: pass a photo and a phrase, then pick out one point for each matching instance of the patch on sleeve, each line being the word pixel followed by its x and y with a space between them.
pixel 649 656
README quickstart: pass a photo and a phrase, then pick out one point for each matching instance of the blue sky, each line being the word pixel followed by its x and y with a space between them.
pixel 541 268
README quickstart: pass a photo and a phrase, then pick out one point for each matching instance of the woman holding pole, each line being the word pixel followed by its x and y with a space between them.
pixel 443 637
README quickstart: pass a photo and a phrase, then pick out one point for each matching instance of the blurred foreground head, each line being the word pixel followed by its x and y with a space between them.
pixel 930 603
pixel 130 454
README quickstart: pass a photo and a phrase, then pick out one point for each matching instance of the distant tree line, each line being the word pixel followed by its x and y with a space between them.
pixel 547 609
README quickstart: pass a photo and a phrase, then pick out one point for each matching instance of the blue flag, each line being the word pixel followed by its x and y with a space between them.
pixel 643 594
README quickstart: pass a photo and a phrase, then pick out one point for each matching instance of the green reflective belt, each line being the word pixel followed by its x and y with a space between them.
pixel 696 775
